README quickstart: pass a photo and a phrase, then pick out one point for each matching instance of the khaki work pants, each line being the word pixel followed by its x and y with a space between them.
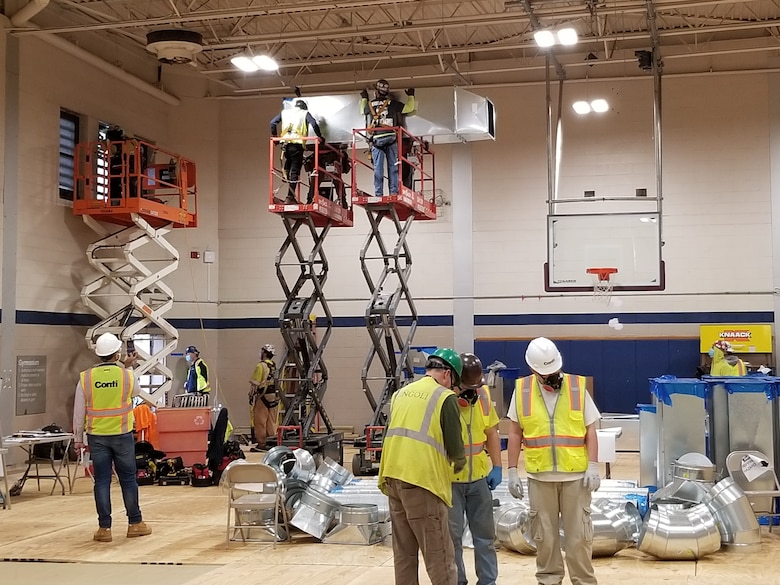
pixel 566 504
pixel 265 421
pixel 420 523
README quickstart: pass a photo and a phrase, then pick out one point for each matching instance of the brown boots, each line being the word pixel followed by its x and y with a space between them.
pixel 133 530
pixel 140 529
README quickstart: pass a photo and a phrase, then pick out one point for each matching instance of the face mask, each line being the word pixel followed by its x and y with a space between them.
pixel 711 353
pixel 553 382
pixel 467 397
pixel 188 357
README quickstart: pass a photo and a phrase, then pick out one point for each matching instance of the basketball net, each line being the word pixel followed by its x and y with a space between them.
pixel 602 283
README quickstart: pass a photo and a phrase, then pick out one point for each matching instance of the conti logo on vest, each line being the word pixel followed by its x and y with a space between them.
pixel 113 384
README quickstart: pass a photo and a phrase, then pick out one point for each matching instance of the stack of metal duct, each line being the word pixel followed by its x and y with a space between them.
pixel 616 525
pixel 673 532
pixel 692 516
pixel 358 524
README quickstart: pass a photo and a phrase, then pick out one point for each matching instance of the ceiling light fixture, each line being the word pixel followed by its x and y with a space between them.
pixel 265 63
pixel 544 38
pixel 250 64
pixel 598 105
pixel 567 36
pixel 244 63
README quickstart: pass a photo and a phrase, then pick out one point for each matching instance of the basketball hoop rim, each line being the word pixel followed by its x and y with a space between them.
pixel 603 274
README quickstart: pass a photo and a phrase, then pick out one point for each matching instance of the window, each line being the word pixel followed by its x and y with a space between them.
pixel 151 343
pixel 69 137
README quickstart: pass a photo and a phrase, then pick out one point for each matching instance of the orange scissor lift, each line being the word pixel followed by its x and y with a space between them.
pixel 147 191
pixel 386 266
pixel 302 269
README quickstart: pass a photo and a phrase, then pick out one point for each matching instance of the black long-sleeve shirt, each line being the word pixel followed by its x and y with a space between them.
pixel 311 122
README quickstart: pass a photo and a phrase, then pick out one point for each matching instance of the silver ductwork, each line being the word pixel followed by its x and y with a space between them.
pixel 513 527
pixel 444 115
pixel 616 526
pixel 739 529
pixel 358 524
pixel 671 532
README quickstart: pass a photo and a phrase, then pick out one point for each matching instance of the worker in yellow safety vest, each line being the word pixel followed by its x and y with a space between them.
pixel 724 361
pixel 103 407
pixel 471 497
pixel 198 381
pixel 264 398
pixel 295 123
pixel 554 417
pixel 421 446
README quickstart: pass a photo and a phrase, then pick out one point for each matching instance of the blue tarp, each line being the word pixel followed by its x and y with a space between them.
pixel 769 385
pixel 663 388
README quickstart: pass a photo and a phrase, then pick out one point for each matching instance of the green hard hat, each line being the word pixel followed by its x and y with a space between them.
pixel 452 359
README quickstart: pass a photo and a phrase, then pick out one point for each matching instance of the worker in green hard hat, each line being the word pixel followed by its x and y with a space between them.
pixel 422 448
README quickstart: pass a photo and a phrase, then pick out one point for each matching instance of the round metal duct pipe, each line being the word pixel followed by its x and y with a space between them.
pixel 281 458
pixel 513 527
pixel 616 526
pixel 671 533
pixel 739 529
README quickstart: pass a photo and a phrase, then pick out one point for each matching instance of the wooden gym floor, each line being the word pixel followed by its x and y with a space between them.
pixel 188 547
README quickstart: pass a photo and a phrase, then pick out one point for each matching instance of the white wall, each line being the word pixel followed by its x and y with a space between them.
pixel 717 228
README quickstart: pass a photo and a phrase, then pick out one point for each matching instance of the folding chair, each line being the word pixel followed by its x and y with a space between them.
pixel 755 474
pixel 254 488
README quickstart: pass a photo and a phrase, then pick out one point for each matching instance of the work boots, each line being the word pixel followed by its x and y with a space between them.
pixel 103 535
pixel 140 529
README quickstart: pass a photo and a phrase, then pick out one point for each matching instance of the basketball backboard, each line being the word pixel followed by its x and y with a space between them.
pixel 630 242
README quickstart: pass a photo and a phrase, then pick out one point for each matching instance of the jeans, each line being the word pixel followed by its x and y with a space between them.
pixel 117 451
pixel 476 502
pixel 378 155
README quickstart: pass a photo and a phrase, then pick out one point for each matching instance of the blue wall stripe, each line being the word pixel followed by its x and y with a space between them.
pixel 84 320
pixel 644 318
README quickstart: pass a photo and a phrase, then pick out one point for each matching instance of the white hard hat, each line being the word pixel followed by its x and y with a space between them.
pixel 270 349
pixel 543 357
pixel 107 345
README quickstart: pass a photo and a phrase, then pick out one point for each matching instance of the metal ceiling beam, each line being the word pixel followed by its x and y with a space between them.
pixel 633 6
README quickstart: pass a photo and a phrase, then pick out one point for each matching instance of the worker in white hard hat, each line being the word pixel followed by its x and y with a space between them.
pixel 263 397
pixel 554 417
pixel 103 407
pixel 724 361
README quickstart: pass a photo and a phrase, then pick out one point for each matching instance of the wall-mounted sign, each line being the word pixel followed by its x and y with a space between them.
pixel 30 384
pixel 750 338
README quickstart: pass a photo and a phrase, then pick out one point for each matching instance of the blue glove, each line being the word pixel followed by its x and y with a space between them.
pixel 494 477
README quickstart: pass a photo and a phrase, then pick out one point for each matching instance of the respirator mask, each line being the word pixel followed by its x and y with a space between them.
pixel 467 396
pixel 551 382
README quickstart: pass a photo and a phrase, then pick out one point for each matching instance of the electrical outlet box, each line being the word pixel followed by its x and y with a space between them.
pixel 209 256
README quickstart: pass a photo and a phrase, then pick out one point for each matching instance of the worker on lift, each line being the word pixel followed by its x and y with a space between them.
pixel 295 123
pixel 383 114
pixel 198 374
pixel 336 163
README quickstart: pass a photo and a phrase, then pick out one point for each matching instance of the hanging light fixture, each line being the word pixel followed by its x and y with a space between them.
pixel 599 105
pixel 265 63
pixel 581 107
pixel 544 38
pixel 251 63
pixel 567 36
pixel 244 63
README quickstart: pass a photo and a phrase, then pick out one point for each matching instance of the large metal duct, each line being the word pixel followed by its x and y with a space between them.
pixel 513 527
pixel 739 529
pixel 674 533
pixel 616 526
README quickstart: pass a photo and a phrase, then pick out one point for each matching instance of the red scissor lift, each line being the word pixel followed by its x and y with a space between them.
pixel 387 267
pixel 147 191
pixel 302 269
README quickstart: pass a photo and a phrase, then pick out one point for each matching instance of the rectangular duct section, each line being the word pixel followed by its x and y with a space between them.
pixel 445 115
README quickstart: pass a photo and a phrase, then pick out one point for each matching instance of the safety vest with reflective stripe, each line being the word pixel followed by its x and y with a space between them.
pixel 202 383
pixel 108 395
pixel 557 444
pixel 294 126
pixel 474 421
pixel 413 448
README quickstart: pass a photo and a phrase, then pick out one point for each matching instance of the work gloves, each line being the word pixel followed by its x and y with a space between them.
pixel 494 477
pixel 592 479
pixel 410 91
pixel 515 485
pixel 364 94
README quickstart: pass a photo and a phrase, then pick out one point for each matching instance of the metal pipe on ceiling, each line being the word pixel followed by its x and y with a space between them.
pixel 22 16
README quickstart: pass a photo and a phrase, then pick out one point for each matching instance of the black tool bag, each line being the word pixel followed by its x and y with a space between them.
pixel 55 451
